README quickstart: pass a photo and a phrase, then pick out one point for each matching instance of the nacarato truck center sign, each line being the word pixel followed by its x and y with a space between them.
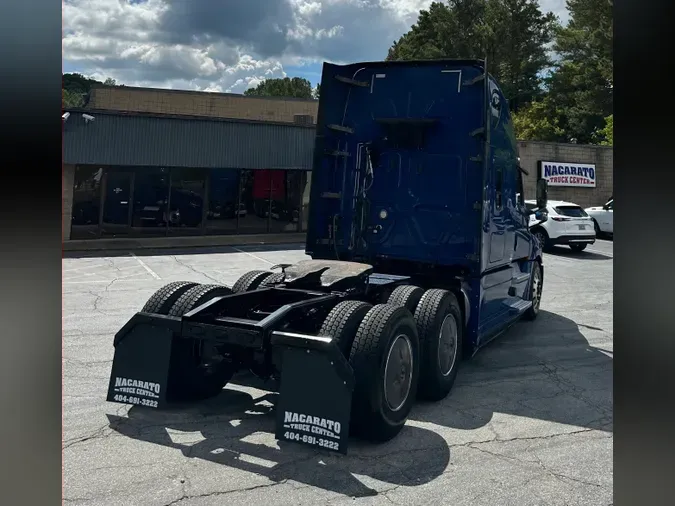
pixel 568 174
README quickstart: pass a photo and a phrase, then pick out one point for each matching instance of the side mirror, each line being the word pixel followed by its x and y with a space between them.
pixel 542 193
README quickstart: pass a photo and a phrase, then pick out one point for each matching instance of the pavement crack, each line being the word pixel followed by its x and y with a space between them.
pixel 196 271
pixel 100 433
pixel 186 497
pixel 525 438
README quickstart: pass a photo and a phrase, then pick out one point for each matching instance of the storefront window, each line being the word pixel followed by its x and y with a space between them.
pixel 186 201
pixel 117 194
pixel 86 202
pixel 151 193
pixel 285 201
pixel 224 207
pixel 255 197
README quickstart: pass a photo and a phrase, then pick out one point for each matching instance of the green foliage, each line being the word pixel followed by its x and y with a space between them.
pixel 75 87
pixel 605 135
pixel 538 122
pixel 295 87
pixel 512 34
pixel 77 83
pixel 582 84
pixel 71 99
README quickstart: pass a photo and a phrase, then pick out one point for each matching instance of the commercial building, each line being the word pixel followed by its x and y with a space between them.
pixel 142 162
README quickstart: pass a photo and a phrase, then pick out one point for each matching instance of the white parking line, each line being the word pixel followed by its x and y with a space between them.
pixel 252 255
pixel 143 264
pixel 79 275
pixel 96 266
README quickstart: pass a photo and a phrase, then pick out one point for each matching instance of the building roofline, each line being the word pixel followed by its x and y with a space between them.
pixel 112 112
pixel 202 93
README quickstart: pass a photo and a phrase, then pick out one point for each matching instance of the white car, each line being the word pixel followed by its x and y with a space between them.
pixel 603 217
pixel 567 224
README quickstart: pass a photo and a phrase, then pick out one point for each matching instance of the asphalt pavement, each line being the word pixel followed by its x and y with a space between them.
pixel 529 421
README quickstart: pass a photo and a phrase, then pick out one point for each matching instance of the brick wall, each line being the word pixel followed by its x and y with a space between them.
pixel 188 103
pixel 602 156
pixel 67 199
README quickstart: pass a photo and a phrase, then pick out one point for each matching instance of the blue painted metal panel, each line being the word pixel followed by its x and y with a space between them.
pixel 145 140
pixel 419 203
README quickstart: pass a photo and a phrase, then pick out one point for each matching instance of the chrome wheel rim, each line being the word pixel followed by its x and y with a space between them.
pixel 536 287
pixel 447 345
pixel 398 372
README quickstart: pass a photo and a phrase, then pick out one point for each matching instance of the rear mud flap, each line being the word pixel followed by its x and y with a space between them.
pixel 142 362
pixel 314 405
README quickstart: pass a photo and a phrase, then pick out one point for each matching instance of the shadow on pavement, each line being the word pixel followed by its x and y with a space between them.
pixel 192 250
pixel 233 425
pixel 562 251
pixel 543 370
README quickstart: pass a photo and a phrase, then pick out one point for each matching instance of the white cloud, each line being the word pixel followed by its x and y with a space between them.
pixel 229 46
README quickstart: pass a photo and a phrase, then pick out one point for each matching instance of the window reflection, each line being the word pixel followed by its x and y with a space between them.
pixel 186 201
pixel 151 191
pixel 224 206
pixel 286 199
pixel 118 184
pixel 86 202
pixel 255 192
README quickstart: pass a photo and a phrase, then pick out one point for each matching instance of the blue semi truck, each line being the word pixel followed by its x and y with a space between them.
pixel 420 252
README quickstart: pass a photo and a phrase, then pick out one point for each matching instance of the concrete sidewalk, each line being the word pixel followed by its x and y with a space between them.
pixel 136 243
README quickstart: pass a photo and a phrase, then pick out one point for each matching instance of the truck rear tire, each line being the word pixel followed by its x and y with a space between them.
pixel 384 358
pixel 440 327
pixel 163 299
pixel 272 279
pixel 197 296
pixel 343 322
pixel 191 379
pixel 250 281
pixel 407 296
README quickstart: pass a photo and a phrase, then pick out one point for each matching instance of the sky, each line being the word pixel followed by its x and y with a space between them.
pixel 230 45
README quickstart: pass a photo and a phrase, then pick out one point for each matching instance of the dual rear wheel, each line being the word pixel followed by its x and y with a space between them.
pixel 407 348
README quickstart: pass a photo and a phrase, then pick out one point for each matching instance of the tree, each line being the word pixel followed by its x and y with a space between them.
pixel 581 86
pixel 512 34
pixel 317 91
pixel 295 87
pixel 536 122
pixel 71 99
pixel 606 134
pixel 110 82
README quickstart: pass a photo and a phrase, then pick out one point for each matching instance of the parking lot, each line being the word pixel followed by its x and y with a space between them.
pixel 529 421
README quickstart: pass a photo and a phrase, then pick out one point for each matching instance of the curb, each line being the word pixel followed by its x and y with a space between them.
pixel 181 242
